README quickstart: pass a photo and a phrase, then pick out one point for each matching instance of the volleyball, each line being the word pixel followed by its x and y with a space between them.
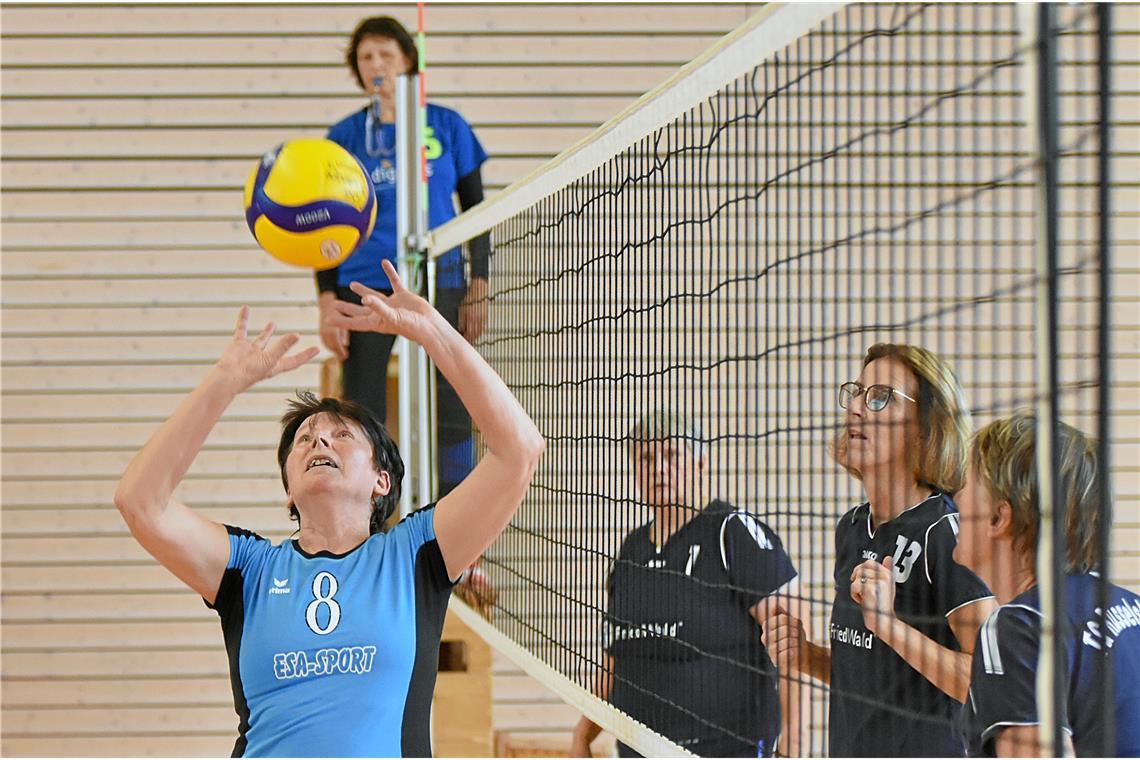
pixel 310 203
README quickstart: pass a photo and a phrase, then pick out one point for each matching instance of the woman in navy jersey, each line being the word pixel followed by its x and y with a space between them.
pixel 333 637
pixel 685 594
pixel 1000 522
pixel 381 49
pixel 905 614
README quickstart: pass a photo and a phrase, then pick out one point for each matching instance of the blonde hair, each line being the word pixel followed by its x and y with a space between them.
pixel 939 458
pixel 1004 457
pixel 662 424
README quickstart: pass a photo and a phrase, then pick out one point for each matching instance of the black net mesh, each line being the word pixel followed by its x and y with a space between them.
pixel 678 322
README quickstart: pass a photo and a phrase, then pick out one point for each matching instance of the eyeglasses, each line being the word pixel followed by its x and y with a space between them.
pixel 878 396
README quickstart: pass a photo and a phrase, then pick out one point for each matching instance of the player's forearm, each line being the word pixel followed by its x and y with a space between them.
pixel 604 679
pixel 816 662
pixel 586 730
pixel 506 427
pixel 790 731
pixel 945 668
pixel 156 470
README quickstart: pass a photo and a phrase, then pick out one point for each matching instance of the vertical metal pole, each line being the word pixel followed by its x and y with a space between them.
pixel 425 374
pixel 429 424
pixel 414 402
pixel 1104 364
pixel 1038 24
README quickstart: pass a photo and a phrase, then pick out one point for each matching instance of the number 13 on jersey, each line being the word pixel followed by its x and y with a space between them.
pixel 905 557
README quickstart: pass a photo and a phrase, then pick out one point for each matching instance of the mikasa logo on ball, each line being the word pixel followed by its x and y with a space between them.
pixel 312 217
pixel 309 203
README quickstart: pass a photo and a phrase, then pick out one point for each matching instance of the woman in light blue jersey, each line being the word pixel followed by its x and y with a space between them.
pixel 333 637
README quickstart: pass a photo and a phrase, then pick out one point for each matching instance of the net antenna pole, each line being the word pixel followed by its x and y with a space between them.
pixel 429 425
pixel 418 276
pixel 1104 348
pixel 1038 26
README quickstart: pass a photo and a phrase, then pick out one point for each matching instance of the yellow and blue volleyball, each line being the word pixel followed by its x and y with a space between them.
pixel 310 203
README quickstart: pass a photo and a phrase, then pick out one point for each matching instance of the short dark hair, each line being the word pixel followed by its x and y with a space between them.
pixel 385 454
pixel 381 26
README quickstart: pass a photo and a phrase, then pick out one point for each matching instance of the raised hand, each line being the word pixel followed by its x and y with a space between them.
pixel 873 588
pixel 403 313
pixel 249 361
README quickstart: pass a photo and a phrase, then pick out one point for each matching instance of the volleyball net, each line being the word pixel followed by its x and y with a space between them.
pixel 713 263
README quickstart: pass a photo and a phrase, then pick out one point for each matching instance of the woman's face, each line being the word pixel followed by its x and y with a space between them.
pixel 882 439
pixel 666 472
pixel 381 57
pixel 333 457
pixel 976 509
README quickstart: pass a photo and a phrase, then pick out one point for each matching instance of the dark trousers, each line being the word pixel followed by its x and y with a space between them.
pixel 366 382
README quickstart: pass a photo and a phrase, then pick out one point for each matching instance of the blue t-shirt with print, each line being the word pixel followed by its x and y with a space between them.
pixel 335 655
pixel 453 153
pixel 1003 685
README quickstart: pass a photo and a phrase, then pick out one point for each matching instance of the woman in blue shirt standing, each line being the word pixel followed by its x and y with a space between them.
pixel 381 49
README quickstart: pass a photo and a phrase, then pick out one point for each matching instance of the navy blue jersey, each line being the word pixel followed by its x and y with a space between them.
pixel 453 152
pixel 1003 691
pixel 687 654
pixel 335 655
pixel 880 706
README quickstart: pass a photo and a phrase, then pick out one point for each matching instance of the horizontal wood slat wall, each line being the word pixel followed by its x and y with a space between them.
pixel 127 133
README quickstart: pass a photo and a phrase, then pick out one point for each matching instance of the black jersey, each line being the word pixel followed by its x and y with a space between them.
pixel 880 705
pixel 1003 690
pixel 687 654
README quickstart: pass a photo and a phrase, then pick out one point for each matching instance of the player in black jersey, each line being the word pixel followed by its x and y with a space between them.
pixel 905 615
pixel 1000 520
pixel 685 594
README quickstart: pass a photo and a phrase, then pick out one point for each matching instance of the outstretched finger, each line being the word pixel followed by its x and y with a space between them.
pixel 262 339
pixel 362 290
pixel 393 276
pixel 281 346
pixel 355 322
pixel 374 303
pixel 349 309
pixel 242 323
pixel 288 363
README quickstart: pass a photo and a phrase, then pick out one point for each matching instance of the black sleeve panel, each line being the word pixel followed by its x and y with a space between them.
pixel 470 191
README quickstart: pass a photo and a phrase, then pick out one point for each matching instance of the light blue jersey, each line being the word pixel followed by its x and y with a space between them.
pixel 335 655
